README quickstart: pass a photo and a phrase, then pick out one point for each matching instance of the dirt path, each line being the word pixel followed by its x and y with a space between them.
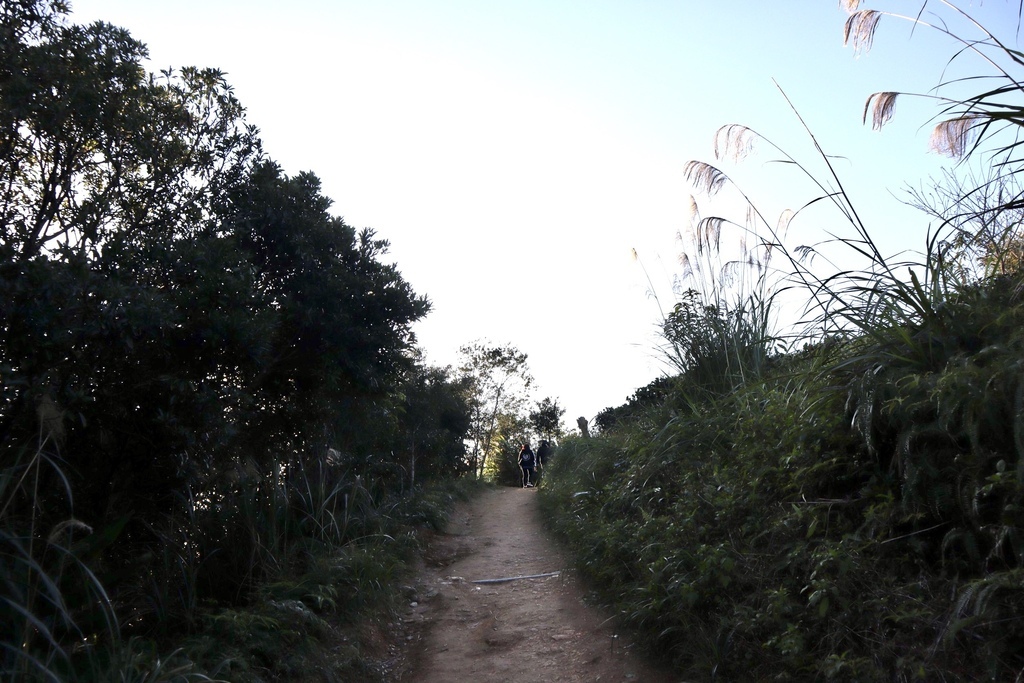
pixel 518 631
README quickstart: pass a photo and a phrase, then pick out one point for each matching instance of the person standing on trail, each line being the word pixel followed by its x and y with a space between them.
pixel 528 464
pixel 543 452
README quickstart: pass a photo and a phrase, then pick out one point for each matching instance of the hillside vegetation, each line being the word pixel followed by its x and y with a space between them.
pixel 842 501
pixel 219 445
pixel 841 518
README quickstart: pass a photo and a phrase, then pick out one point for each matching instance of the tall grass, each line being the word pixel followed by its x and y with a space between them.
pixel 854 511
pixel 257 574
pixel 919 336
pixel 57 620
pixel 53 609
pixel 722 327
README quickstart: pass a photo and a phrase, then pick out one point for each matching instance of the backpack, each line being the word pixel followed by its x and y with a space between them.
pixel 526 458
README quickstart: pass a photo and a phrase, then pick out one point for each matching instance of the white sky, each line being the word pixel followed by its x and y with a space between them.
pixel 514 153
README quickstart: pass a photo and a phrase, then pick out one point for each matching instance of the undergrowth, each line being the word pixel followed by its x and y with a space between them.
pixel 840 519
pixel 333 618
pixel 256 588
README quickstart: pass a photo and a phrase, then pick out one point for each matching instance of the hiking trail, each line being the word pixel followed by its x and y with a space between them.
pixel 520 631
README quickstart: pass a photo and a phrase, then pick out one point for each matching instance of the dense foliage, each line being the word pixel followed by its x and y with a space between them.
pixel 845 517
pixel 208 385
pixel 850 511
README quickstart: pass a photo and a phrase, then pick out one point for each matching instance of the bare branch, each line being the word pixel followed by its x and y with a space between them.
pixel 517 578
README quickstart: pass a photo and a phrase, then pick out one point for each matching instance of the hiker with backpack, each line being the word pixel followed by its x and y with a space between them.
pixel 528 464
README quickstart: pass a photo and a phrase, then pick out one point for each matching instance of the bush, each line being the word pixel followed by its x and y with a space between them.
pixel 764 538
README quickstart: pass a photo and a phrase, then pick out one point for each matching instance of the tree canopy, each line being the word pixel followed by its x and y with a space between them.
pixel 499 379
pixel 180 321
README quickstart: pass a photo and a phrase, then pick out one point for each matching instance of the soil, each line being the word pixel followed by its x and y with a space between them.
pixel 519 631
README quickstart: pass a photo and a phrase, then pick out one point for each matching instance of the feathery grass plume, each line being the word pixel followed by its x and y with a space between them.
pixel 750 222
pixel 687 234
pixel 849 6
pixel 730 272
pixel 926 367
pixel 705 177
pixel 953 137
pixel 734 141
pixel 859 30
pixel 687 267
pixel 782 227
pixel 968 121
pixel 881 106
pixel 694 211
pixel 709 233
pixel 67 527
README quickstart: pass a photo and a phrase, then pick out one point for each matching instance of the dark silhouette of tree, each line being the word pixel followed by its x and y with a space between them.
pixel 180 309
pixel 546 419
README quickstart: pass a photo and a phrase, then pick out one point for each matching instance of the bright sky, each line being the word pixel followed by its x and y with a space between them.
pixel 514 153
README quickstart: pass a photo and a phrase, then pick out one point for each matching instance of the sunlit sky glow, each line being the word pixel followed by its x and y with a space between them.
pixel 514 153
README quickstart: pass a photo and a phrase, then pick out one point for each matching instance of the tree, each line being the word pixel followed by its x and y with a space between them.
pixel 95 152
pixel 546 419
pixel 339 320
pixel 436 419
pixel 186 307
pixel 193 350
pixel 108 185
pixel 512 430
pixel 499 380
